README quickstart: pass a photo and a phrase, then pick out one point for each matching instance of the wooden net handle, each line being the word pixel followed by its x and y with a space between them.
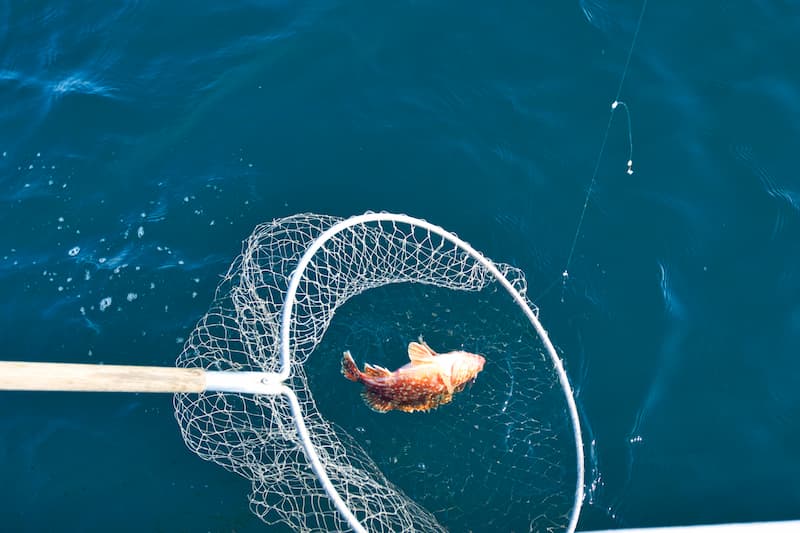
pixel 16 375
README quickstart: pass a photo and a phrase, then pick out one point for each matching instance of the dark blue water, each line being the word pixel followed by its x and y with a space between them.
pixel 149 139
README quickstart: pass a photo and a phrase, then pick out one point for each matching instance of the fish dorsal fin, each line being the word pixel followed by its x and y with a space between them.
pixel 420 353
pixel 376 371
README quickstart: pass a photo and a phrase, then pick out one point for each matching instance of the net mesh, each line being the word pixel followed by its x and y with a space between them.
pixel 255 435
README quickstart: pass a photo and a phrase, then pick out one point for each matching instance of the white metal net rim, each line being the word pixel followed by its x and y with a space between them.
pixel 273 383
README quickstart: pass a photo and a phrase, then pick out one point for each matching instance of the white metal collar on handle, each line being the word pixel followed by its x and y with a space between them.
pixel 285 353
pixel 243 382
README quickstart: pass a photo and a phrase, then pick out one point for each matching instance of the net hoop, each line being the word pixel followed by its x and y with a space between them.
pixel 286 351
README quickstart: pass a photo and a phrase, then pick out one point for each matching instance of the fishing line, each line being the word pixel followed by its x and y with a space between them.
pixel 595 485
pixel 614 105
pixel 630 133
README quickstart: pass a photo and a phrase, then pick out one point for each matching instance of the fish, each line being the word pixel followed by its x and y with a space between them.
pixel 429 380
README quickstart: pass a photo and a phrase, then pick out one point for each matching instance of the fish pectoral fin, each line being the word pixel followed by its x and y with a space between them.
pixel 376 401
pixel 420 353
pixel 447 379
pixel 376 371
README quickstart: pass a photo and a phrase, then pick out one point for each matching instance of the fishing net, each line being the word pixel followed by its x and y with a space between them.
pixel 506 455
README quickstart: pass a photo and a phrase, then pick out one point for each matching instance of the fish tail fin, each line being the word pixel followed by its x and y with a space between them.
pixel 349 368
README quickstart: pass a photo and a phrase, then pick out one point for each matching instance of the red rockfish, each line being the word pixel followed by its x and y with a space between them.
pixel 428 381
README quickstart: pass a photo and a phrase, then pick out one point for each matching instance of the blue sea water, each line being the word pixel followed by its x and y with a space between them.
pixel 141 142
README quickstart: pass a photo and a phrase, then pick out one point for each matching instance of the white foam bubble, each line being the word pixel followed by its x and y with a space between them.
pixel 75 250
pixel 132 296
pixel 105 303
